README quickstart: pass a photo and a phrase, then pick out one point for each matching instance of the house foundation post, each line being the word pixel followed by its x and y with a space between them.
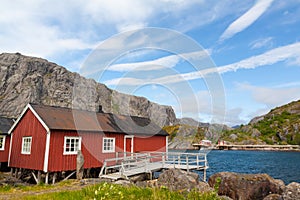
pixel 12 171
pixel 39 177
pixel 54 178
pixel 16 172
pixel 47 178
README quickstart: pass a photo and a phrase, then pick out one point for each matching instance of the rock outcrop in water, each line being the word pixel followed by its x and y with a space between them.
pixel 26 80
pixel 253 187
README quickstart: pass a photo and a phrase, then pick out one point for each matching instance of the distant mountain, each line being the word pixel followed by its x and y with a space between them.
pixel 25 79
pixel 188 131
pixel 191 122
pixel 280 126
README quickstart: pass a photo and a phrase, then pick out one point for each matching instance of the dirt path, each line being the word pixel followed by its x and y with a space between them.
pixel 73 185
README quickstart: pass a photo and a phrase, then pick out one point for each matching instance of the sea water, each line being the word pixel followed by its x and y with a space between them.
pixel 278 164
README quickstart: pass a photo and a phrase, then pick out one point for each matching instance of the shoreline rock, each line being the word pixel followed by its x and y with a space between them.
pixel 253 187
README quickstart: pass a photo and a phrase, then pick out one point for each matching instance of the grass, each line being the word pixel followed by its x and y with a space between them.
pixel 112 191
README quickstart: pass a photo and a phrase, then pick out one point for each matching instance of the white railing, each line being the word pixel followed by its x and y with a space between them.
pixel 128 162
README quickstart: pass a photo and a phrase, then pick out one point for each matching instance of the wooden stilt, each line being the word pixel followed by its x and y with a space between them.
pixel 16 172
pixel 39 177
pixel 88 173
pixel 54 178
pixel 69 175
pixel 34 176
pixel 47 178
pixel 12 171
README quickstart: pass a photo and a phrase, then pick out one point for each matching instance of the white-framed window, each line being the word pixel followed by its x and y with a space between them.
pixel 2 142
pixel 26 145
pixel 108 145
pixel 72 145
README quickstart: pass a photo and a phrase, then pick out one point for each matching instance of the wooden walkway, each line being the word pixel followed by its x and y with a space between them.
pixel 257 147
pixel 137 163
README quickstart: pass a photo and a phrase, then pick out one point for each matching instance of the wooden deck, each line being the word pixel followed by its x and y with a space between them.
pixel 137 163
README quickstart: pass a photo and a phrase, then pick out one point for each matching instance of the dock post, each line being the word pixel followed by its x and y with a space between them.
pixel 174 161
pixel 187 164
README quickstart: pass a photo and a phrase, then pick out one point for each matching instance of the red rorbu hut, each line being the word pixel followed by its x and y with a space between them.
pixel 46 139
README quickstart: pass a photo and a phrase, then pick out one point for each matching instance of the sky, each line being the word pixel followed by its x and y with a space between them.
pixel 215 61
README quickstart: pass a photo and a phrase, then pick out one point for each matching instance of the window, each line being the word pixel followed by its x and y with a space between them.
pixel 108 145
pixel 72 145
pixel 26 145
pixel 2 142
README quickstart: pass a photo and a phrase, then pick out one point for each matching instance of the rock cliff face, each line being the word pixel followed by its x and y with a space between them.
pixel 26 80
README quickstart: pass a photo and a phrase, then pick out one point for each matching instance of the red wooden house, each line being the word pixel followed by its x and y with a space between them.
pixel 47 139
pixel 5 125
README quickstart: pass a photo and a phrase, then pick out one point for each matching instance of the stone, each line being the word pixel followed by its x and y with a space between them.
pixel 139 177
pixel 123 182
pixel 273 197
pixel 79 165
pixel 255 133
pixel 245 186
pixel 178 180
pixel 233 136
pixel 292 191
pixel 25 79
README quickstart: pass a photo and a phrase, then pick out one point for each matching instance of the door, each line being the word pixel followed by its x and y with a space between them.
pixel 128 144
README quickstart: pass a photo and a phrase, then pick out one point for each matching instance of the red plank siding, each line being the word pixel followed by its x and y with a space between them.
pixel 149 143
pixel 28 126
pixel 91 149
pixel 4 153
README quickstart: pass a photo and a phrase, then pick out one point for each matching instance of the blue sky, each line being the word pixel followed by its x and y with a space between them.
pixel 254 46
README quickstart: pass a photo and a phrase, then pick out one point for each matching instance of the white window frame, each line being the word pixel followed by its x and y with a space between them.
pixel 75 151
pixel 112 146
pixel 28 142
pixel 2 146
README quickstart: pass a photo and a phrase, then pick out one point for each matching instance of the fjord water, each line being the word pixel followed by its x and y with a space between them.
pixel 279 165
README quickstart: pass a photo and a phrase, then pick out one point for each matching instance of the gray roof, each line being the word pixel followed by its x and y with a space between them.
pixel 5 124
pixel 57 118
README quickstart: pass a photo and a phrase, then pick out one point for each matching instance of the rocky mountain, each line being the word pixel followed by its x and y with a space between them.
pixel 280 126
pixel 26 80
pixel 188 131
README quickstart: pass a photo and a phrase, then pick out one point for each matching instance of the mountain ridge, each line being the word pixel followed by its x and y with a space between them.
pixel 26 79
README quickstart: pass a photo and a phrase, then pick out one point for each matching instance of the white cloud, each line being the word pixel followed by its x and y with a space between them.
pixel 233 117
pixel 246 19
pixel 284 53
pixel 265 42
pixel 160 63
pixel 272 97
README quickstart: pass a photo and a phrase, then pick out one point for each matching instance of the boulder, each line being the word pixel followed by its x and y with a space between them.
pixel 245 186
pixel 176 179
pixel 292 191
pixel 273 197
pixel 122 182
pixel 139 177
pixel 233 136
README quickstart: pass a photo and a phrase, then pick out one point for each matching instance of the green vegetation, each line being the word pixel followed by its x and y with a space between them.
pixel 276 128
pixel 172 131
pixel 199 132
pixel 111 191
